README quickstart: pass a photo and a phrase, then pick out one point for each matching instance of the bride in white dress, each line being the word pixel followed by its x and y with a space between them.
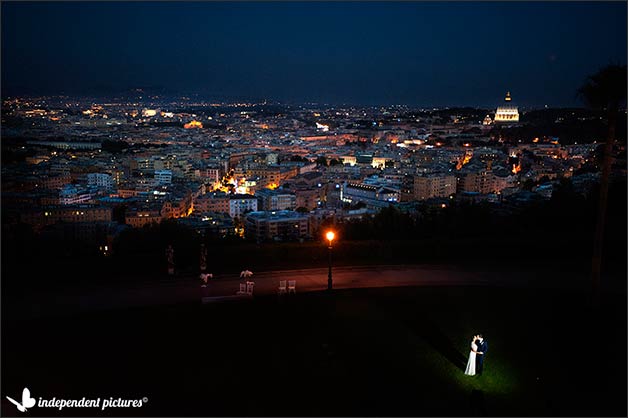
pixel 470 370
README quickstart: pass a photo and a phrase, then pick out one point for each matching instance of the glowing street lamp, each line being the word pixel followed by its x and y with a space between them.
pixel 330 237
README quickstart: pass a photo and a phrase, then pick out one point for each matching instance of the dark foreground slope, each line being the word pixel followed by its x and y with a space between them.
pixel 364 352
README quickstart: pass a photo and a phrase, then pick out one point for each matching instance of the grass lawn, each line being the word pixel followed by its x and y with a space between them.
pixel 366 352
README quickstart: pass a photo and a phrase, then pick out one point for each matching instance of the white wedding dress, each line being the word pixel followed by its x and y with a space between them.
pixel 470 370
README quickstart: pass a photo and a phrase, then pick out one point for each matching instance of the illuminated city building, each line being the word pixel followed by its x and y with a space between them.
pixel 484 181
pixel 434 185
pixel 239 204
pixel 276 199
pixel 373 196
pixel 212 202
pixel 163 176
pixel 508 112
pixel 147 113
pixel 137 218
pixel 73 195
pixel 100 180
pixel 48 215
pixel 282 225
pixel 218 225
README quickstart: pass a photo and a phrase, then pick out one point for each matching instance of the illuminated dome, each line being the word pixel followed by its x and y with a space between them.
pixel 507 112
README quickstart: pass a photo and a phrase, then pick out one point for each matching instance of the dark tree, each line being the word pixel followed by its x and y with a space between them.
pixel 604 90
pixel 321 161
pixel 119 212
pixel 528 185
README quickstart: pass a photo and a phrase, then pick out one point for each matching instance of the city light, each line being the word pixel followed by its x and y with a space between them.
pixel 193 125
pixel 465 160
pixel 324 128
pixel 330 235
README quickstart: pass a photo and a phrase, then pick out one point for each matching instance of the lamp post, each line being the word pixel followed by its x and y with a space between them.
pixel 330 237
pixel 170 258
pixel 203 260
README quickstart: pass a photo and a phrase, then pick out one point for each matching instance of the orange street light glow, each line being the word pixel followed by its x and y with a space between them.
pixel 330 236
pixel 193 125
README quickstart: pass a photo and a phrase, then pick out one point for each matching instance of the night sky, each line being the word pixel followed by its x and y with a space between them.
pixel 420 54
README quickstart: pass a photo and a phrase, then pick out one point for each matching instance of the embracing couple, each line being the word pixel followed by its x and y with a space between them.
pixel 479 347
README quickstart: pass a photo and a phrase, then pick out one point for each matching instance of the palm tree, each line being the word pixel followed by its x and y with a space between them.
pixel 604 90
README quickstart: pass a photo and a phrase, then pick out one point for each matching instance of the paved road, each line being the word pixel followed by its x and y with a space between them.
pixel 181 290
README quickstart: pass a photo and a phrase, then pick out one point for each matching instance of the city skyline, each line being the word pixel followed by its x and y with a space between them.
pixel 334 53
pixel 239 209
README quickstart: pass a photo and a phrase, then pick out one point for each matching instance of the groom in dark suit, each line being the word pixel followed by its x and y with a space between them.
pixel 482 349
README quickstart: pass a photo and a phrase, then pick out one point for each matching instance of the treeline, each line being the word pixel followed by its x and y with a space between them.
pixel 556 234
pixel 116 146
pixel 567 214
pixel 560 228
pixel 582 127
